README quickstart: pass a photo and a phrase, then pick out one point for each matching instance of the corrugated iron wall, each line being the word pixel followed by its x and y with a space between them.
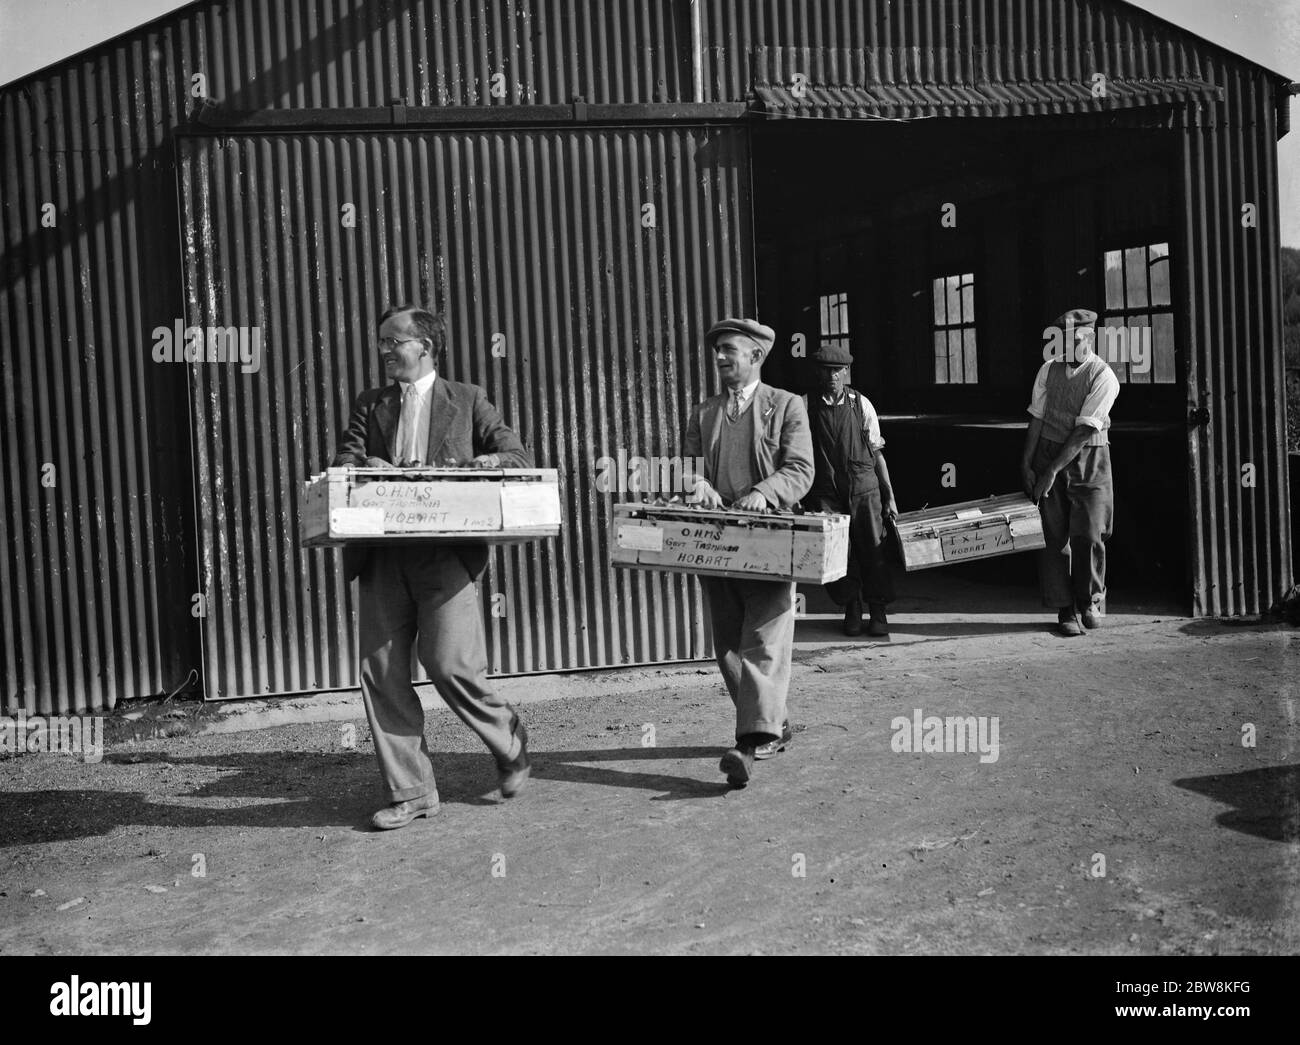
pixel 96 584
pixel 535 242
pixel 945 41
pixel 98 575
pixel 294 54
pixel 1239 496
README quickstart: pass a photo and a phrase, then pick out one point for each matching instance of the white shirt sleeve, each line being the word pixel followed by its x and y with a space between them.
pixel 871 424
pixel 1095 411
pixel 1038 400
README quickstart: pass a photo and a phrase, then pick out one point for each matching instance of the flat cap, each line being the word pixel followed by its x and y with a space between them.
pixel 763 337
pixel 1076 318
pixel 831 355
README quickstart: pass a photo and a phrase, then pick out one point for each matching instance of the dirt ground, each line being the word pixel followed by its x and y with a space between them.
pixel 1123 815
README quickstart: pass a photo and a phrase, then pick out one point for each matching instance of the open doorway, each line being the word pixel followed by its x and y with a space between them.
pixel 937 251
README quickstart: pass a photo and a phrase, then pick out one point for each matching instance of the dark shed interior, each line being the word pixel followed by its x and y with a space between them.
pixel 939 250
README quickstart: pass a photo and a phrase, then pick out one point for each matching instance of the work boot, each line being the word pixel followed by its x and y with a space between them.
pixel 1067 623
pixel 1091 616
pixel 399 814
pixel 879 624
pixel 513 775
pixel 738 762
pixel 853 617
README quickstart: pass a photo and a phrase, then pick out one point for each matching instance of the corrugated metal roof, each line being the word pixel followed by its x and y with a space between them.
pixel 912 100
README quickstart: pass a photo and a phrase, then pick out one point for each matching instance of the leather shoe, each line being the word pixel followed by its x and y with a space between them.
pixel 738 764
pixel 1067 624
pixel 399 814
pixel 853 617
pixel 514 774
pixel 878 626
pixel 769 749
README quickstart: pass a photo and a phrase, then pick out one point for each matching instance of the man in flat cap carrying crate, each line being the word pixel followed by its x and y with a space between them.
pixel 757 455
pixel 1066 471
pixel 852 479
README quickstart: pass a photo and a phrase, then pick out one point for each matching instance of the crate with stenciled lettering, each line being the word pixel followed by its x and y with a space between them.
pixel 728 543
pixel 379 506
pixel 970 530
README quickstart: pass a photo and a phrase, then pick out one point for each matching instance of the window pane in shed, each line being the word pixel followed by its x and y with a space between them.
pixel 968 299
pixel 940 313
pixel 970 364
pixel 954 299
pixel 1163 335
pixel 1135 344
pixel 1160 274
pixel 940 358
pixel 1114 280
pixel 1110 344
pixel 1135 272
pixel 954 356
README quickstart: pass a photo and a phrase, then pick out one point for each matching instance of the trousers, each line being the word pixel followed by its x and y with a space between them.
pixel 868 576
pixel 753 635
pixel 424 596
pixel 1078 518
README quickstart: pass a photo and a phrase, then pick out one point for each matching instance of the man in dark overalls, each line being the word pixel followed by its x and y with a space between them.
pixel 1065 466
pixel 852 479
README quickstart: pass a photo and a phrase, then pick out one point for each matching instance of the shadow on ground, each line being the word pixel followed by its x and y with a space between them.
pixel 1207 626
pixel 313 789
pixel 1266 802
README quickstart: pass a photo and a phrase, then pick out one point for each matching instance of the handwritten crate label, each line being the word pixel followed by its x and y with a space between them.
pixel 356 522
pixel 433 507
pixel 1027 527
pixel 976 543
pixel 821 555
pixel 922 551
pixel 524 505
pixel 708 546
pixel 635 537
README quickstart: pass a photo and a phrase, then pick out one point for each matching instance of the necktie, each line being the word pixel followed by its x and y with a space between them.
pixel 736 397
pixel 408 428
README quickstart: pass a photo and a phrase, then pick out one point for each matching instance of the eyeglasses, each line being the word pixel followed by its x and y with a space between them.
pixel 387 344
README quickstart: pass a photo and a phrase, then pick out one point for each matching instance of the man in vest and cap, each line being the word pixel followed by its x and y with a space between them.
pixel 757 456
pixel 852 479
pixel 1066 471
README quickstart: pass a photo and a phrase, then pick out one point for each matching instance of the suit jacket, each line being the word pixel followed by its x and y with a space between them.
pixel 782 461
pixel 462 425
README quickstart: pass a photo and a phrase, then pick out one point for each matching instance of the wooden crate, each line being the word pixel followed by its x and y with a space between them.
pixel 380 506
pixel 970 530
pixel 751 545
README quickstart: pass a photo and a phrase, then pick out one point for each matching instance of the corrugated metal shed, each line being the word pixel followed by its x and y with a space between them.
pixel 96 589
